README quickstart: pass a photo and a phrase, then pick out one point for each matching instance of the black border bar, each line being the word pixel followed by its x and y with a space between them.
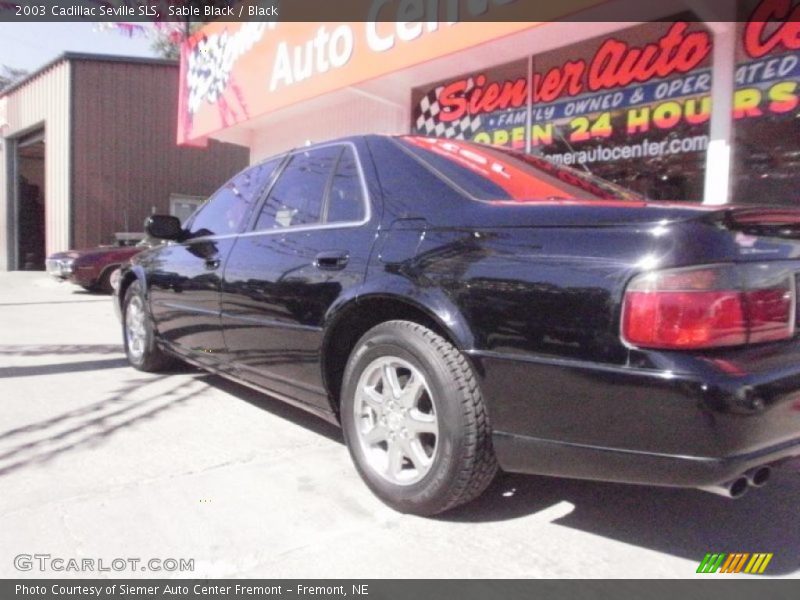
pixel 144 11
pixel 729 587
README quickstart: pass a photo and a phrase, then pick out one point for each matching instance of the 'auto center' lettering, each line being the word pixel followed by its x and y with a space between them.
pixel 327 50
pixel 414 17
pixel 317 55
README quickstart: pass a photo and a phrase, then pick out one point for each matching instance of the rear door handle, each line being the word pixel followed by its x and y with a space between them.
pixel 212 264
pixel 334 260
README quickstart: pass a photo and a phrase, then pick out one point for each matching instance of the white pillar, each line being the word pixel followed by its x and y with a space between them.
pixel 718 155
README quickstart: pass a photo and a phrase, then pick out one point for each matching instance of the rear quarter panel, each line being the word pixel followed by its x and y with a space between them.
pixel 533 294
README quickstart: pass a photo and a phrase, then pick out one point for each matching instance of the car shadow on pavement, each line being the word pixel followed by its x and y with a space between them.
pixel 133 403
pixel 49 303
pixel 56 368
pixel 277 407
pixel 682 522
pixel 68 367
pixel 58 349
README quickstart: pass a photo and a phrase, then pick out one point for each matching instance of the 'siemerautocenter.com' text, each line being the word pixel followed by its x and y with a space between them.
pixel 644 149
pixel 47 562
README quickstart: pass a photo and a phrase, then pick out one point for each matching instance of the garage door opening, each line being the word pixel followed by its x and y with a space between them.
pixel 30 194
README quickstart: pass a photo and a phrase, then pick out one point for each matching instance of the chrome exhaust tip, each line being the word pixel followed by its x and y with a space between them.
pixel 758 476
pixel 732 489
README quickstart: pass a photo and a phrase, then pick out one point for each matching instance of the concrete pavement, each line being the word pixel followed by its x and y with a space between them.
pixel 100 461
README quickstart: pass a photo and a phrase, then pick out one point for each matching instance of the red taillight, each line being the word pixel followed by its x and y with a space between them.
pixel 770 313
pixel 709 307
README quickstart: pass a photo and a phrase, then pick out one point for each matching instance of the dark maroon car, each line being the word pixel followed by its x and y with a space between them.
pixel 92 268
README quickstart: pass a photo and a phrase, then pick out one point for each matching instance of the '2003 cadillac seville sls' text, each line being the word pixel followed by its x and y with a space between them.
pixel 460 308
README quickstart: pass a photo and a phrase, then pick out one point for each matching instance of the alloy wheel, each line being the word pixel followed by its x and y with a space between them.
pixel 135 327
pixel 396 422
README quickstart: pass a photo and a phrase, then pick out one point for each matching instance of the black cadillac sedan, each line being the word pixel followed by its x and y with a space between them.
pixel 459 308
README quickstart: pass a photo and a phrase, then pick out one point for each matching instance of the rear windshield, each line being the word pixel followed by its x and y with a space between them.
pixel 491 173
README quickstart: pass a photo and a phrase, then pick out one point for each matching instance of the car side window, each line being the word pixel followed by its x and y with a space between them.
pixel 346 196
pixel 226 210
pixel 297 196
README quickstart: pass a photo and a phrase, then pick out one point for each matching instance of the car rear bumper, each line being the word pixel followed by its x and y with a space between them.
pixel 682 420
pixel 522 454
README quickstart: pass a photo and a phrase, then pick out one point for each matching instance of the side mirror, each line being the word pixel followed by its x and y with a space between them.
pixel 164 227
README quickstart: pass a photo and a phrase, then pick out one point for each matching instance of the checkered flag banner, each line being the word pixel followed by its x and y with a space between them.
pixel 429 123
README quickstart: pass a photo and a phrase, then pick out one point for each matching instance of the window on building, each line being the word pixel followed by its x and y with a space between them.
pixel 183 206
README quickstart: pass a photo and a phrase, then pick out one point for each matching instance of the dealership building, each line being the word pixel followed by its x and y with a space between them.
pixel 88 150
pixel 680 101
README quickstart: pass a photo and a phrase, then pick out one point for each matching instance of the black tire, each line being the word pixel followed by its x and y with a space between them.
pixel 103 284
pixel 151 358
pixel 461 462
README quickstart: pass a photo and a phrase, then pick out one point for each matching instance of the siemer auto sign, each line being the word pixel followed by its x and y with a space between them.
pixel 232 72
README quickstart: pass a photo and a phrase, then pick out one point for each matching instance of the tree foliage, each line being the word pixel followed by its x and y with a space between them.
pixel 167 43
pixel 9 76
